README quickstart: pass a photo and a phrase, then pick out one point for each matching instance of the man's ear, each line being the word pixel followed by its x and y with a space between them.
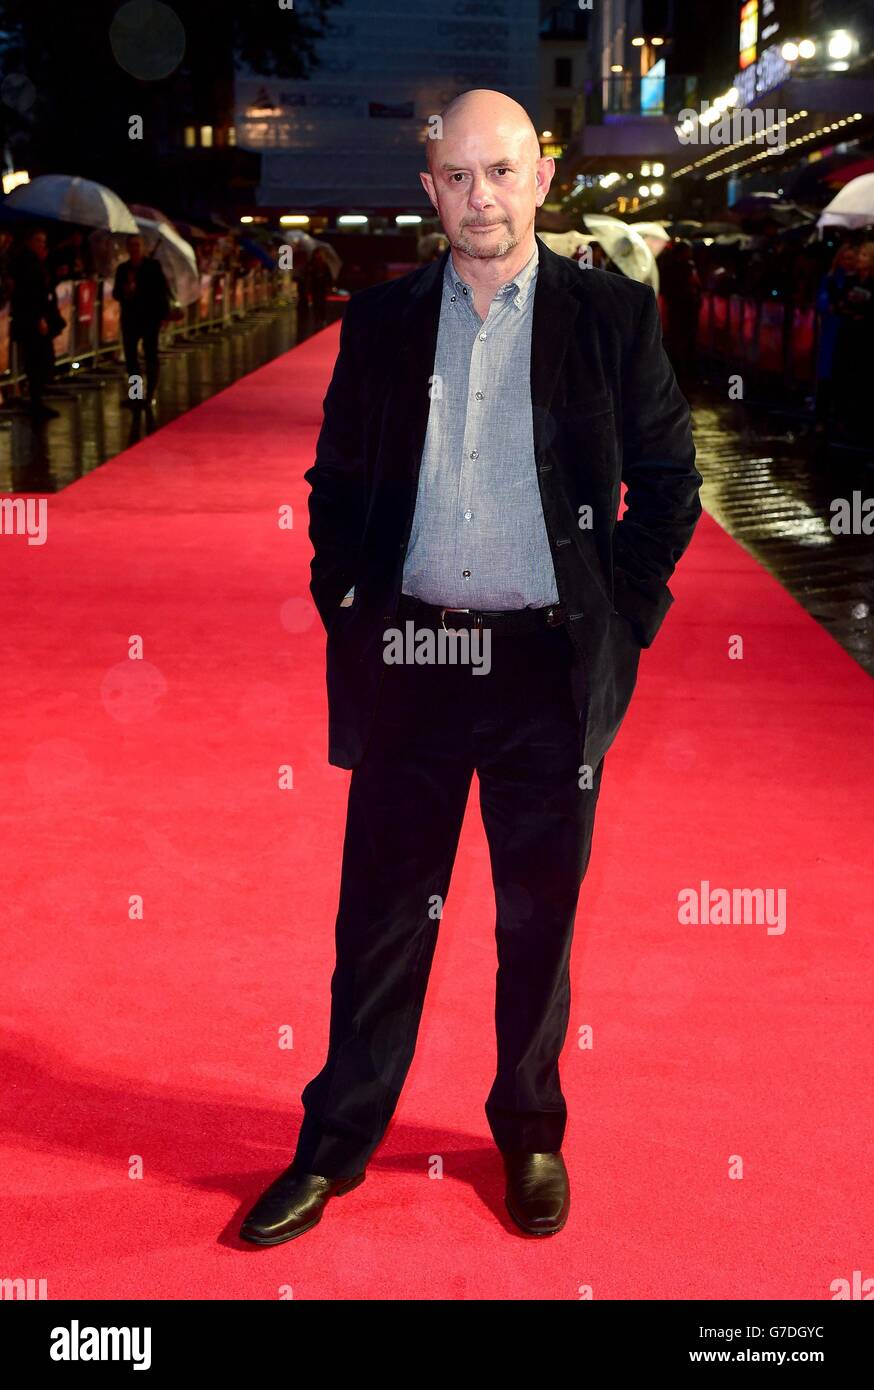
pixel 428 185
pixel 544 176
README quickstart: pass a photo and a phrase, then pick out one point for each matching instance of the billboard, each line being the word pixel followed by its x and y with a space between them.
pixel 749 32
pixel 351 135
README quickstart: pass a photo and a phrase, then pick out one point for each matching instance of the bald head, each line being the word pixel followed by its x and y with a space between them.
pixel 486 176
pixel 484 110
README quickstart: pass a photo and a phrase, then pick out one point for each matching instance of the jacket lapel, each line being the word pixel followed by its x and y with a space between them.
pixel 410 398
pixel 555 309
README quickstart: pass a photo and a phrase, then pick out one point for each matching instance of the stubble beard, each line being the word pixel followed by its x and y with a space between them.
pixel 475 247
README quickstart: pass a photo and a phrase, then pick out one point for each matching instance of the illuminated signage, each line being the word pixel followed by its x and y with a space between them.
pixel 767 72
pixel 749 30
pixel 652 90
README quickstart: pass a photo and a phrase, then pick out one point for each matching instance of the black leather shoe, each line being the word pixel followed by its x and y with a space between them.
pixel 292 1204
pixel 538 1193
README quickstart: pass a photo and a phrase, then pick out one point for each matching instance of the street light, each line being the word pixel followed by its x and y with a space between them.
pixel 840 44
pixel 656 190
pixel 807 48
pixel 789 51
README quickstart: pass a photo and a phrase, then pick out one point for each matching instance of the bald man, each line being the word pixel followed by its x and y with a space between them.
pixel 485 612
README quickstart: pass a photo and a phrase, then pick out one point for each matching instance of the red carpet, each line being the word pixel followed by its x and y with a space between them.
pixel 158 1040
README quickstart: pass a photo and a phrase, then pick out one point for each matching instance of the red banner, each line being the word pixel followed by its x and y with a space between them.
pixel 86 298
pixel 65 297
pixel 771 337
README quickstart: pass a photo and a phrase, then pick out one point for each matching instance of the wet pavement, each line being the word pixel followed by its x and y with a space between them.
pixel 93 424
pixel 770 485
pixel 766 481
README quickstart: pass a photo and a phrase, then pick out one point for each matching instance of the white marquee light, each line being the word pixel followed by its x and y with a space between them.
pixel 840 44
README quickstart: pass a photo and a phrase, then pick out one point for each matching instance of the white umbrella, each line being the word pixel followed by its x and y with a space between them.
pixel 565 243
pixel 68 199
pixel 175 256
pixel 853 206
pixel 308 245
pixel 625 247
pixel 654 234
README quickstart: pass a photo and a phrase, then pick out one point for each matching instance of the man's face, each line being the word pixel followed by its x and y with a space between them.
pixel 486 185
pixel 135 249
pixel 40 244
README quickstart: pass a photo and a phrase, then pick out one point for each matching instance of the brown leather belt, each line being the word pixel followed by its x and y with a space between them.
pixel 508 620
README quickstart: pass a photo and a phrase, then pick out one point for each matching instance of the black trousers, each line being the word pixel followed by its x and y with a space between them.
pixel 38 360
pixel 435 725
pixel 132 330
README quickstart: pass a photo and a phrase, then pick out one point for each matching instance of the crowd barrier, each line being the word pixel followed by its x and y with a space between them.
pixel 772 338
pixel 93 318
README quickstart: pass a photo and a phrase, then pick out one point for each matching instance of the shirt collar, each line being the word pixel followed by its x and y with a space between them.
pixel 519 288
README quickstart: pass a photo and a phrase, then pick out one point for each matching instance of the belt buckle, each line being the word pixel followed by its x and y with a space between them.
pixel 444 611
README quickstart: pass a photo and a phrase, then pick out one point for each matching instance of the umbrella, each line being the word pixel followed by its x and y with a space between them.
pixel 741 241
pixel 566 243
pixel 717 229
pixel 175 256
pixel 625 247
pixel 308 244
pixel 654 235
pixel 68 199
pixel 191 232
pixel 769 207
pixel 853 206
pixel 151 214
pixel 260 252
pixel 11 217
pixel 826 176
pixel 688 228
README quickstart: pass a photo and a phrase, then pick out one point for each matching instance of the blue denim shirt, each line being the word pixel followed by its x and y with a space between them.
pixel 478 538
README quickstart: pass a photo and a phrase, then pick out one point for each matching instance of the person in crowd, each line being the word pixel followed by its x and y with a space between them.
pixel 681 296
pixel 319 283
pixel 144 296
pixel 36 319
pixel 69 259
pixel 853 352
pixel 829 304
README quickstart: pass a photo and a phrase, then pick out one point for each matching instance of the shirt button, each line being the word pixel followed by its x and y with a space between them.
pixel 468 515
pixel 479 396
pixel 465 574
pixel 452 299
pixel 474 453
pixel 482 337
